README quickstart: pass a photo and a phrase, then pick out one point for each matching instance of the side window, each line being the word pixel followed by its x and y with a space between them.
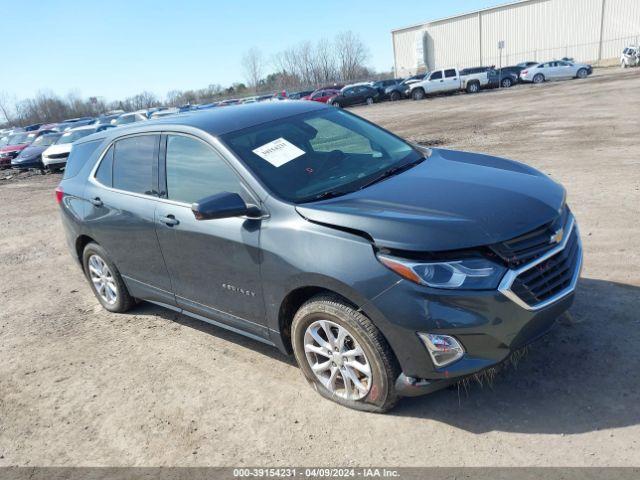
pixel 348 92
pixel 135 165
pixel 196 171
pixel 450 73
pixel 436 75
pixel 79 155
pixel 104 175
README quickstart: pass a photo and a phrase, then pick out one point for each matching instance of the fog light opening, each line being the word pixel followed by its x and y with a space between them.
pixel 443 349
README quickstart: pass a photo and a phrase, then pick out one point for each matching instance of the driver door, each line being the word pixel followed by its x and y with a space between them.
pixel 214 265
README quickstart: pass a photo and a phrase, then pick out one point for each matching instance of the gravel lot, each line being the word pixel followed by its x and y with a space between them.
pixel 80 386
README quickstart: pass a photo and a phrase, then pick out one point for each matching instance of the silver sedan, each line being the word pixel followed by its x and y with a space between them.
pixel 555 70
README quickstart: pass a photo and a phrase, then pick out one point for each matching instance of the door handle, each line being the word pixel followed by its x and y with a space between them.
pixel 96 202
pixel 169 220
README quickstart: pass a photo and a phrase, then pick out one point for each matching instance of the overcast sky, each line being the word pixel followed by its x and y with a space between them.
pixel 118 48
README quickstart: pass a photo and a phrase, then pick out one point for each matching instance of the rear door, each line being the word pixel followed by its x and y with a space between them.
pixel 123 193
pixel 214 264
pixel 451 80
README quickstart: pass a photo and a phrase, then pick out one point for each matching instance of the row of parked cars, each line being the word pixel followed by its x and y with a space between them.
pixel 46 147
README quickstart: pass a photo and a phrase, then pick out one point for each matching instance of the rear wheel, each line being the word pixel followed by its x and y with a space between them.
pixel 538 78
pixel 418 94
pixel 343 355
pixel 582 73
pixel 105 279
pixel 473 87
pixel 369 101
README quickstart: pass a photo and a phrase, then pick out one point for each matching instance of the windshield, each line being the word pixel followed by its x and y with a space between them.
pixel 4 141
pixel 70 137
pixel 304 157
pixel 18 138
pixel 45 140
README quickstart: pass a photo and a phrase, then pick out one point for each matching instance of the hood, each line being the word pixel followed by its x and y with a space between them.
pixel 62 148
pixel 13 148
pixel 452 200
pixel 32 151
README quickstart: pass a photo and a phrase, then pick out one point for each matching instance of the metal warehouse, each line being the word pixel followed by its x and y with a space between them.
pixel 535 30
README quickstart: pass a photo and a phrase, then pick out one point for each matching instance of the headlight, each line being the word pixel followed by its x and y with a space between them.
pixel 467 274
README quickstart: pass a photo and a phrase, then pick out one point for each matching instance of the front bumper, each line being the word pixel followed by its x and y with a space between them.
pixel 490 325
pixel 28 163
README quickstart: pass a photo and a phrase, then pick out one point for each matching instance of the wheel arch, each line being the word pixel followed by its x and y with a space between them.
pixel 81 242
pixel 299 294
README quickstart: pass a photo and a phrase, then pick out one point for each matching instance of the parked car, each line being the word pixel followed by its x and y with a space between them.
pixel 555 70
pixel 357 95
pixel 78 122
pixel 30 128
pixel 387 269
pixel 401 90
pixel 127 118
pixel 55 157
pixel 106 119
pixel 31 156
pixel 382 85
pixel 630 56
pixel 164 113
pixel 299 95
pixel 504 77
pixel 446 81
pixel 15 144
pixel 322 95
pixel 527 64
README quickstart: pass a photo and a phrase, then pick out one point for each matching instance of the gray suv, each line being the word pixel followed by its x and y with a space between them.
pixel 387 269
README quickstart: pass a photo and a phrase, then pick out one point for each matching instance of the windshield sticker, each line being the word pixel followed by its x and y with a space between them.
pixel 278 152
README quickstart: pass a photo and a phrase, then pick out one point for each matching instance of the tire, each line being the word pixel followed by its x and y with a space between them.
pixel 336 104
pixel 123 300
pixel 582 73
pixel 378 394
pixel 369 100
pixel 473 87
pixel 418 94
pixel 506 83
pixel 538 78
pixel 395 96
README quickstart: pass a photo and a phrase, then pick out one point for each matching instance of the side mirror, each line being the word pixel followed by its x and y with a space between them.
pixel 222 205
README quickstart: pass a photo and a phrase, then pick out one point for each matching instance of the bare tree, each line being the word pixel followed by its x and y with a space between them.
pixel 253 66
pixel 5 106
pixel 352 55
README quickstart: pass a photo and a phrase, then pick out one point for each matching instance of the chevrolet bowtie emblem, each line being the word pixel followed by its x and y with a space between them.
pixel 557 236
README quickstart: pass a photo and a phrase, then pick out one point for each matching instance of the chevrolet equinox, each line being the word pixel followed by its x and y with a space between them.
pixel 386 268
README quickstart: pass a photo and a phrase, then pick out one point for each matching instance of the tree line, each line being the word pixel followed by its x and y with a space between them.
pixel 304 66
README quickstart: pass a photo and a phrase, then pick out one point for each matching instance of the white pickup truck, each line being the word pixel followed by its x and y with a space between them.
pixel 448 80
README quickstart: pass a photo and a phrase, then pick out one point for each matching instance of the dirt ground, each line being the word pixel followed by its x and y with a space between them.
pixel 80 386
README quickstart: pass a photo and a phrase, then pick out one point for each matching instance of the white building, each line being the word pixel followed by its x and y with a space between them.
pixel 536 30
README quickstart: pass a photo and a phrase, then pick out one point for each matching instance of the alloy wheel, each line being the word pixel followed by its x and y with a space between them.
pixel 102 279
pixel 337 360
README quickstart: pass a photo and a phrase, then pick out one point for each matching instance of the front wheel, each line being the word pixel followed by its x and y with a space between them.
pixel 369 101
pixel 582 73
pixel 105 280
pixel 506 83
pixel 395 96
pixel 538 78
pixel 418 94
pixel 343 356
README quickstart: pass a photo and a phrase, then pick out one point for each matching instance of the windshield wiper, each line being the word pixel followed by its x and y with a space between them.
pixel 326 195
pixel 392 171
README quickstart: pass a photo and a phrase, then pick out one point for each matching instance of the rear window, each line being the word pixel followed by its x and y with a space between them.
pixel 79 155
pixel 135 165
